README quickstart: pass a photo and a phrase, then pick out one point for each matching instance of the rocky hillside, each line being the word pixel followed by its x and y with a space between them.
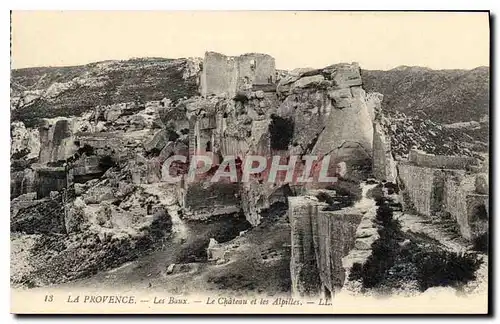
pixel 91 187
pixel 445 96
pixel 48 92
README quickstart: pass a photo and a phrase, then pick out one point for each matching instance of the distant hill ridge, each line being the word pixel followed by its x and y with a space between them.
pixel 445 96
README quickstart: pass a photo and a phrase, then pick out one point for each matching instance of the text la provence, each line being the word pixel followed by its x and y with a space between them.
pixel 104 299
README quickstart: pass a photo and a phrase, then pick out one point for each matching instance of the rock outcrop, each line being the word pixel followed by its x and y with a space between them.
pixel 89 162
pixel 57 140
pixel 323 238
pixel 25 142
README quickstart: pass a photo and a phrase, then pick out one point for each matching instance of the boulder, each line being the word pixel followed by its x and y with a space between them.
pixel 76 219
pixel 215 251
pixel 482 184
pixel 307 82
pixel 98 194
pixel 170 268
pixel 113 113
pixel 157 142
pixel 103 216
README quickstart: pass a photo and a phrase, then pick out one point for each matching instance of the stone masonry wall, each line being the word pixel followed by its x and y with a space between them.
pixel 441 161
pixel 320 240
pixel 444 193
pixel 384 166
pixel 227 75
pixel 56 138
pixel 417 182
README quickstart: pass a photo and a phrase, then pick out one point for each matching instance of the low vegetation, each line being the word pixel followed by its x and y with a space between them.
pixel 399 258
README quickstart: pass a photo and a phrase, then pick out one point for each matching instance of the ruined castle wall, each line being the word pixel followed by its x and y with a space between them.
pixel 22 182
pixel 384 166
pixel 50 179
pixel 462 205
pixel 441 161
pixel 478 214
pixel 256 69
pixel 234 146
pixel 226 75
pixel 418 186
pixel 219 75
pixel 431 191
pixel 445 193
pixel 455 203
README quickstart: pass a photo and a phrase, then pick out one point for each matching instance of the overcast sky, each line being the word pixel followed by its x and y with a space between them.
pixel 377 40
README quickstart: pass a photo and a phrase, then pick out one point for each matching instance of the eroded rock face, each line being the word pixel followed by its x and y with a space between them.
pixel 320 239
pixel 384 165
pixel 482 184
pixel 349 123
pixel 57 140
pixel 321 112
pixel 331 113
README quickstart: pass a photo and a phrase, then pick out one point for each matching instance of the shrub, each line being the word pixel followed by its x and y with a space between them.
pixel 384 251
pixel 444 268
pixel 392 263
pixel 480 243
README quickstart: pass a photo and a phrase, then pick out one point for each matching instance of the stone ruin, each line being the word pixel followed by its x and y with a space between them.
pixel 246 107
pixel 326 112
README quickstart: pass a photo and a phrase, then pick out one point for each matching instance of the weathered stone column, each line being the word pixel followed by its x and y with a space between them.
pixel 303 267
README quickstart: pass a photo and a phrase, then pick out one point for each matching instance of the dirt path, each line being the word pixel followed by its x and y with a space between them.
pixel 259 262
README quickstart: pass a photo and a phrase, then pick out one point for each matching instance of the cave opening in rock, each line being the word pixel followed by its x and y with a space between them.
pixel 281 131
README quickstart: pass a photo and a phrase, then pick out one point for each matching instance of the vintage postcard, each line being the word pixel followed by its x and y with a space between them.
pixel 249 162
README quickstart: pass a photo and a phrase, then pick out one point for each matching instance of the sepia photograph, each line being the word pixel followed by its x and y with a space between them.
pixel 250 162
